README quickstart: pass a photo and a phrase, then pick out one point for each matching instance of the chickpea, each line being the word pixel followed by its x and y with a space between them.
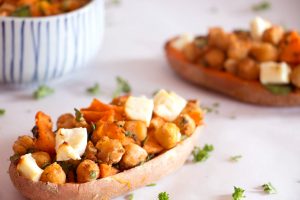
pixel 42 159
pixel 90 151
pixel 263 52
pixel 248 69
pixel 191 52
pixel 168 135
pixel 110 151
pixel 238 49
pixel 186 124
pixel 230 66
pixel 66 121
pixel 138 128
pixel 273 35
pixel 194 111
pixel 214 58
pixel 218 38
pixel 23 144
pixel 156 122
pixel 295 76
pixel 134 155
pixel 53 174
pixel 87 171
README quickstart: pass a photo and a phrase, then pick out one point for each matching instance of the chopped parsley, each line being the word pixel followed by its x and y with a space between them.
pixel 93 174
pixel 23 11
pixel 163 196
pixel 264 5
pixel 269 188
pixel 238 193
pixel 151 185
pixel 201 155
pixel 94 90
pixel 212 109
pixel 93 126
pixel 42 92
pixel 235 158
pixel 279 89
pixel 122 87
pixel 78 115
pixel 2 112
pixel 130 196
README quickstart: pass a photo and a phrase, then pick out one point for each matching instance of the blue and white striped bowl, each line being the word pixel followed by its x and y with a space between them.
pixel 38 49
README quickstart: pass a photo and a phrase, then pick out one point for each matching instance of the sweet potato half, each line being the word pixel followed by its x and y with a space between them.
pixel 226 83
pixel 112 186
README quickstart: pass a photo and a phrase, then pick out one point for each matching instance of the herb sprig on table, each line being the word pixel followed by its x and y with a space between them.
pixel 262 6
pixel 42 92
pixel 201 155
pixel 122 87
pixel 2 112
pixel 94 90
pixel 269 188
pixel 235 158
pixel 238 193
pixel 163 196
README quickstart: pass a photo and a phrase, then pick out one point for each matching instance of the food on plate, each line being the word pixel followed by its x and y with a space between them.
pixel 36 8
pixel 260 65
pixel 106 150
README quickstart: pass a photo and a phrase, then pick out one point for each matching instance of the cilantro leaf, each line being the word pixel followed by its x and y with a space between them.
pixel 78 115
pixel 238 193
pixel 201 155
pixel 151 185
pixel 279 89
pixel 264 5
pixel 235 158
pixel 122 87
pixel 23 11
pixel 269 188
pixel 2 112
pixel 93 174
pixel 42 92
pixel 130 196
pixel 94 89
pixel 163 196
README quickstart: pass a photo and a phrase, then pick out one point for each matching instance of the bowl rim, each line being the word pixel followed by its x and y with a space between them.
pixel 50 17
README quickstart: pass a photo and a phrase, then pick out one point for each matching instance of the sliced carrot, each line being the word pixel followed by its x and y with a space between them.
pixel 109 129
pixel 107 170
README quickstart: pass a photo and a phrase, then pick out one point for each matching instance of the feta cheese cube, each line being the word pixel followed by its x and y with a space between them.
pixel 139 108
pixel 181 41
pixel 274 73
pixel 73 143
pixel 28 168
pixel 258 26
pixel 168 105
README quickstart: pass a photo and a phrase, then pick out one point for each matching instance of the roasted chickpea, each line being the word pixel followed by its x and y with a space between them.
pixel 87 171
pixel 23 144
pixel 248 69
pixel 295 76
pixel 214 58
pixel 238 49
pixel 168 135
pixel 156 122
pixel 66 121
pixel 263 52
pixel 90 151
pixel 193 109
pixel 110 151
pixel 218 38
pixel 186 124
pixel 138 128
pixel 191 52
pixel 42 159
pixel 53 174
pixel 273 35
pixel 134 155
pixel 230 66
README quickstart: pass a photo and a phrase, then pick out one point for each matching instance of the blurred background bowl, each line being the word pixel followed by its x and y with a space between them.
pixel 38 49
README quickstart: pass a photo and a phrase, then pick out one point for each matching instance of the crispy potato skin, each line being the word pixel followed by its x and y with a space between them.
pixel 87 171
pixel 53 174
pixel 23 144
pixel 42 158
pixel 134 155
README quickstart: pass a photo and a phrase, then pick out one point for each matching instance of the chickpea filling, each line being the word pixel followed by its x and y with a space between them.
pixel 104 139
pixel 267 53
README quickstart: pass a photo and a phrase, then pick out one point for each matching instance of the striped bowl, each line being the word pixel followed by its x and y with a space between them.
pixel 38 49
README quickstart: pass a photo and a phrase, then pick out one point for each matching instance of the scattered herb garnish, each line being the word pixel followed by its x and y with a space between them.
pixel 45 165
pixel 78 115
pixel 130 134
pixel 14 158
pixel 279 89
pixel 94 90
pixel 129 196
pixel 93 174
pixel 235 158
pixel 122 87
pixel 264 5
pixel 42 92
pixel 2 112
pixel 163 196
pixel 201 155
pixel 93 126
pixel 238 193
pixel 269 188
pixel 212 108
pixel 151 185
pixel 23 11
pixel 232 117
pixel 183 137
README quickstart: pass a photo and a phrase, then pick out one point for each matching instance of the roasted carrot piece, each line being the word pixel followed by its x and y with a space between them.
pixel 151 145
pixel 44 136
pixel 107 170
pixel 109 129
pixel 290 48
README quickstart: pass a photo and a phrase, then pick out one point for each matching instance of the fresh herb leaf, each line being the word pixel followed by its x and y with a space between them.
pixel 216 104
pixel 122 87
pixel 201 42
pixel 14 158
pixel 45 165
pixel 163 196
pixel 2 112
pixel 238 193
pixel 94 90
pixel 279 89
pixel 130 197
pixel 78 115
pixel 42 92
pixel 93 174
pixel 201 155
pixel 23 11
pixel 264 5
pixel 151 185
pixel 269 188
pixel 235 158
pixel 93 126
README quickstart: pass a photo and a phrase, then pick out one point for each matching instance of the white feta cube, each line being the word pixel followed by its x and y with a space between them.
pixel 258 26
pixel 28 168
pixel 180 42
pixel 274 73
